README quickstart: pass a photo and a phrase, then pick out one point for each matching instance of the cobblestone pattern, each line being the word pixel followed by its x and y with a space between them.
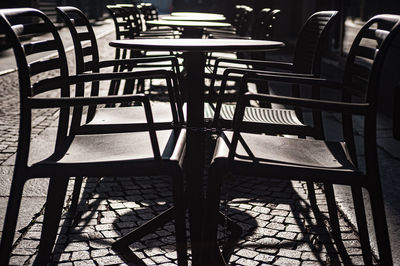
pixel 9 112
pixel 278 224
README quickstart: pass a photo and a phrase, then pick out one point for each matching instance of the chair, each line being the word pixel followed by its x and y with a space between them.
pixel 122 151
pixel 241 22
pixel 129 25
pixel 330 162
pixel 165 116
pixel 306 60
pixel 262 29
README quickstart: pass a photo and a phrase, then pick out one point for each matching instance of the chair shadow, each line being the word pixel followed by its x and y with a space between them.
pixel 118 208
pixel 313 233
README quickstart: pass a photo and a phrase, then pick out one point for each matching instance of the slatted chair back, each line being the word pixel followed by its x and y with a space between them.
pixel 366 62
pixel 263 28
pixel 135 16
pixel 265 24
pixel 86 55
pixel 124 27
pixel 308 55
pixel 308 51
pixel 149 11
pixel 41 61
pixel 242 19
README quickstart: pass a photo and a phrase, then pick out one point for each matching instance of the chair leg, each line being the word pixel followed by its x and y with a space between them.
pixel 75 194
pixel 359 209
pixel 211 254
pixel 180 218
pixel 380 225
pixel 11 217
pixel 236 232
pixel 311 193
pixel 52 216
pixel 332 208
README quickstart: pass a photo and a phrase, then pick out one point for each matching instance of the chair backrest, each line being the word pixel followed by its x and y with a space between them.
pixel 242 19
pixel 135 16
pixel 308 52
pixel 264 24
pixel 149 11
pixel 36 76
pixel 124 27
pixel 369 57
pixel 86 55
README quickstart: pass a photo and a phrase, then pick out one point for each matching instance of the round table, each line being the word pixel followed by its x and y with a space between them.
pixel 191 29
pixel 193 18
pixel 194 57
pixel 197 14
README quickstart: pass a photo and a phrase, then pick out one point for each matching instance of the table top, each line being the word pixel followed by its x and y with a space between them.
pixel 197 45
pixel 197 14
pixel 188 24
pixel 193 18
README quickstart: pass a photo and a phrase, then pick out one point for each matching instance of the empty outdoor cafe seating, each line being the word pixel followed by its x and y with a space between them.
pixel 105 151
pixel 306 60
pixel 330 162
pixel 87 60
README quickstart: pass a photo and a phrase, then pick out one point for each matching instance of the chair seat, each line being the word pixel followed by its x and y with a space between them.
pixel 274 156
pixel 100 154
pixel 132 115
pixel 256 114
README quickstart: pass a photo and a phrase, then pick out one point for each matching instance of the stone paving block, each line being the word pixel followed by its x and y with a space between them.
pixel 264 258
pixel 287 261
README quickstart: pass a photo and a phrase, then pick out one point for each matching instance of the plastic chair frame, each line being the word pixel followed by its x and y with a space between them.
pixel 30 99
pixel 369 179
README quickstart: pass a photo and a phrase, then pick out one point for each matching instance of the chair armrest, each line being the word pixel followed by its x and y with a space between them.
pixel 41 102
pixel 302 79
pixel 59 82
pixel 256 63
pixel 323 105
pixel 251 74
pixel 133 61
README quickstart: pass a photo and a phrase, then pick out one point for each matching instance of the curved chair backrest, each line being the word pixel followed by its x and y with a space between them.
pixel 307 56
pixel 265 24
pixel 86 54
pixel 149 11
pixel 368 59
pixel 135 16
pixel 124 26
pixel 42 66
pixel 243 19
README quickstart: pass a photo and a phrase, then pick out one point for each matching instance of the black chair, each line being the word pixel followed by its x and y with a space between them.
pixel 262 29
pixel 87 60
pixel 306 60
pixel 117 151
pixel 241 24
pixel 330 162
pixel 129 25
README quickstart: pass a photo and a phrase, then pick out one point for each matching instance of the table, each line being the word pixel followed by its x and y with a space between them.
pixel 197 14
pixel 191 29
pixel 194 56
pixel 194 18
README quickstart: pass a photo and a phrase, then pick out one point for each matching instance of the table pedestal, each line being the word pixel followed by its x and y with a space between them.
pixel 194 164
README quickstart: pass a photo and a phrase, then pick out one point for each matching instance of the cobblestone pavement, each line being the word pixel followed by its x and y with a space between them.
pixel 280 226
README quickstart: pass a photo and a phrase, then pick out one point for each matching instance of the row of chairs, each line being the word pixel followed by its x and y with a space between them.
pixel 121 141
pixel 310 157
pixel 258 155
